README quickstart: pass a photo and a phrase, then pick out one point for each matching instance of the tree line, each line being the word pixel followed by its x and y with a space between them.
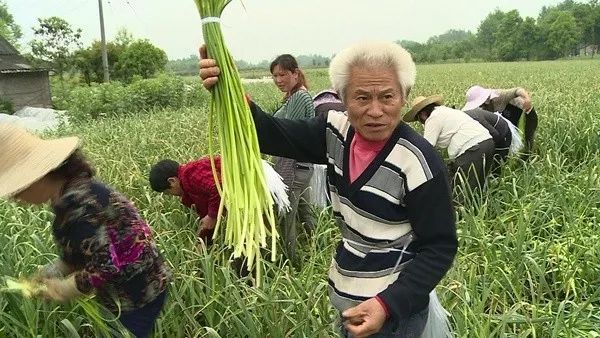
pixel 567 29
pixel 189 65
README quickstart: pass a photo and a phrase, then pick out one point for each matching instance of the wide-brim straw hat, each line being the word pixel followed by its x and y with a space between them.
pixel 26 158
pixel 419 103
pixel 477 95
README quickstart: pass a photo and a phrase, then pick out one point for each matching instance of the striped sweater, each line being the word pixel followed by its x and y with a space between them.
pixel 396 219
pixel 298 106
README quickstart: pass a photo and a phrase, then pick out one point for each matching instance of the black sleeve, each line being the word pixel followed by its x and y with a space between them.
pixel 490 127
pixel 488 121
pixel 432 219
pixel 302 140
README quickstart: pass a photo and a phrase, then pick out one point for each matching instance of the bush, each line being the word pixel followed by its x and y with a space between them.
pixel 6 106
pixel 117 99
pixel 165 91
pixel 103 100
pixel 196 95
pixel 61 90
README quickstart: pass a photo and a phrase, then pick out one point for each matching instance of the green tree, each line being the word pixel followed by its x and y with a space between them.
pixel 595 31
pixel 55 42
pixel 586 19
pixel 487 33
pixel 189 65
pixel 313 60
pixel 8 28
pixel 439 52
pixel 88 61
pixel 584 15
pixel 123 37
pixel 509 44
pixel 416 49
pixel 560 33
pixel 140 58
pixel 451 35
pixel 466 49
pixel 531 39
pixel 410 45
pixel 453 44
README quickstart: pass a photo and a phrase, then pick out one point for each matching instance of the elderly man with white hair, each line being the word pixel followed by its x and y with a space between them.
pixel 388 186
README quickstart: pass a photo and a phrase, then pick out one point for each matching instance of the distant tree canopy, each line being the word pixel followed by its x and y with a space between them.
pixel 568 29
pixel 185 66
pixel 127 59
pixel 189 65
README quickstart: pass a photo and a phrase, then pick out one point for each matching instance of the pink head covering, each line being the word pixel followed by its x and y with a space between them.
pixel 477 95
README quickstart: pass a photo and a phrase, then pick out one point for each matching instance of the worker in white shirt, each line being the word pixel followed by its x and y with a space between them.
pixel 470 146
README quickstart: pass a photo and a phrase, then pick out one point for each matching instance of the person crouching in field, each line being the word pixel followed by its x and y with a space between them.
pixel 194 183
pixel 470 145
pixel 501 132
pixel 105 246
pixel 512 104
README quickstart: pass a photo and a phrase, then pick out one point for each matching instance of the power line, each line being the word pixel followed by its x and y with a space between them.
pixel 133 9
pixel 136 16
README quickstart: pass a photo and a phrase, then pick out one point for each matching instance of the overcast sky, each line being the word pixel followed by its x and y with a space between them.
pixel 266 28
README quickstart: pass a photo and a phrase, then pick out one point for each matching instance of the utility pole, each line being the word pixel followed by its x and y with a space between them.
pixel 103 41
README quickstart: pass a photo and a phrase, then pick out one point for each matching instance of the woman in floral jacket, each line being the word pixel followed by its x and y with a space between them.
pixel 105 246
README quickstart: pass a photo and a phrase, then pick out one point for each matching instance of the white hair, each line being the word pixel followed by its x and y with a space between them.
pixel 373 54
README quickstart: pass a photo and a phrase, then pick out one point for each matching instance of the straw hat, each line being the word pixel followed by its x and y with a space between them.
pixel 477 95
pixel 25 158
pixel 419 103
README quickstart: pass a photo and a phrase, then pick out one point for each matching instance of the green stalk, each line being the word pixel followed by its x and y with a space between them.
pixel 243 189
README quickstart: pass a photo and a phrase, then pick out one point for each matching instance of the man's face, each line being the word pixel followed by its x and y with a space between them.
pixel 174 187
pixel 374 100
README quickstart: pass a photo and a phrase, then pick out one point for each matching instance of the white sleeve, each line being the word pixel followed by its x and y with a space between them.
pixel 433 128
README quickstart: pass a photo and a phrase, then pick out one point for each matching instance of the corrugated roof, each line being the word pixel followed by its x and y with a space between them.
pixel 16 62
pixel 6 48
pixel 11 61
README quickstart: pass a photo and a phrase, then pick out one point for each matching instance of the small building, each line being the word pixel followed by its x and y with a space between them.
pixel 20 83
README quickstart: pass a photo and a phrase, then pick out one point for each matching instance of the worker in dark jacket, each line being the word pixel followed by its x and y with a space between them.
pixel 501 134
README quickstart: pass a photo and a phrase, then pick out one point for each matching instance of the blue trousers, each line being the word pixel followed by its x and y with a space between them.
pixel 140 322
